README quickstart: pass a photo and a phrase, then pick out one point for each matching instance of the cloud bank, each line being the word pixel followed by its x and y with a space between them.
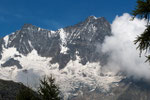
pixel 120 45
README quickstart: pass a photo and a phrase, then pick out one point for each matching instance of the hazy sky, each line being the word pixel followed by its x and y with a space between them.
pixel 54 14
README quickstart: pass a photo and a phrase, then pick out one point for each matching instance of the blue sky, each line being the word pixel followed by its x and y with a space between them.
pixel 54 14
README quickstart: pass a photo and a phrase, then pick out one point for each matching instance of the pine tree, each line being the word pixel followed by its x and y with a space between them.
pixel 48 89
pixel 142 10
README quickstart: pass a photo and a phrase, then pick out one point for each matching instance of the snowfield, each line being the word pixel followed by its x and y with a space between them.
pixel 73 76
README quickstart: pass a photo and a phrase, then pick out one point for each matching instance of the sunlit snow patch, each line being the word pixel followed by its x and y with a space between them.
pixel 63 44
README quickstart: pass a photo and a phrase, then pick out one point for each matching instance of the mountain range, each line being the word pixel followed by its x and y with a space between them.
pixel 73 55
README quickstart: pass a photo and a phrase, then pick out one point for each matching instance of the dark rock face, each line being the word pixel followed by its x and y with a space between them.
pixel 1 42
pixel 12 62
pixel 82 38
pixel 92 30
pixel 31 37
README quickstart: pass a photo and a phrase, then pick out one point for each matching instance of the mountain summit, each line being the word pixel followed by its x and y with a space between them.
pixel 70 53
pixel 62 44
pixel 73 55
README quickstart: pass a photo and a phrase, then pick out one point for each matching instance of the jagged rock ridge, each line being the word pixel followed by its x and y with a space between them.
pixel 62 44
pixel 73 55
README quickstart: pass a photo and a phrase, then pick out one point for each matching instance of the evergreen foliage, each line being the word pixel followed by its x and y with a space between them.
pixel 48 89
pixel 142 10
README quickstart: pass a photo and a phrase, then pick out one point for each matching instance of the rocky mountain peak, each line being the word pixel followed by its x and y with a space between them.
pixel 27 26
pixel 72 55
pixel 62 45
pixel 91 17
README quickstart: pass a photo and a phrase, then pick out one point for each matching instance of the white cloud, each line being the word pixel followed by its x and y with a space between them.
pixel 124 55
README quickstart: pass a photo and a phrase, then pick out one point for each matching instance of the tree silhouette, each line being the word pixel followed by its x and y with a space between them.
pixel 142 10
pixel 48 89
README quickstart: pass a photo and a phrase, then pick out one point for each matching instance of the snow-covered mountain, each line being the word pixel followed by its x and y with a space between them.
pixel 72 54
